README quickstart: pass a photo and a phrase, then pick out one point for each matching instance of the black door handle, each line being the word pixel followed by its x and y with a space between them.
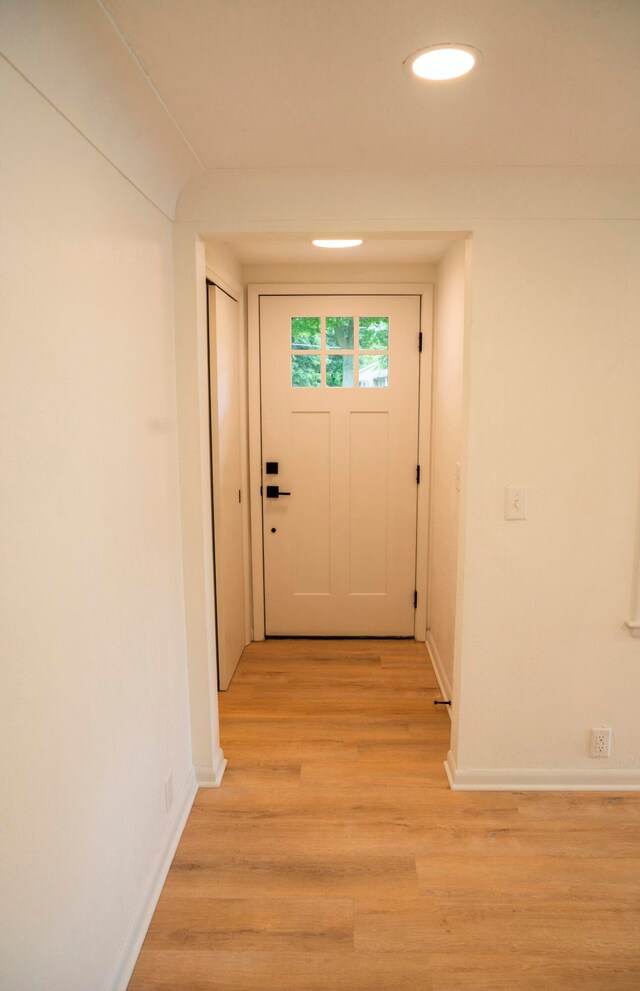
pixel 274 492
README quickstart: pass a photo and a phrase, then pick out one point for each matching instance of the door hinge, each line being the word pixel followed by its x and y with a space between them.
pixel 415 599
pixel 420 341
pixel 418 474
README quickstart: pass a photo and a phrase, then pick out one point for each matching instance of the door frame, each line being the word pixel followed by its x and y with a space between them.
pixel 254 292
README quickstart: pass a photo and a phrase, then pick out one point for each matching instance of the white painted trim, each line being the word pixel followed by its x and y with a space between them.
pixel 126 960
pixel 254 292
pixel 255 460
pixel 438 667
pixel 244 454
pixel 540 779
pixel 633 623
pixel 232 289
pixel 211 777
pixel 424 460
pixel 216 483
pixel 236 291
pixel 194 450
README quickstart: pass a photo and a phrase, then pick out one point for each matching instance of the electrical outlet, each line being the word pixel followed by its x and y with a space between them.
pixel 600 745
pixel 168 792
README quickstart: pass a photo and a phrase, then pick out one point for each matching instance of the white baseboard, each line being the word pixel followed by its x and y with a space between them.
pixel 141 918
pixel 540 779
pixel 211 777
pixel 438 667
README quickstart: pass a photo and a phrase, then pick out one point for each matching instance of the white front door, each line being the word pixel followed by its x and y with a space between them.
pixel 340 386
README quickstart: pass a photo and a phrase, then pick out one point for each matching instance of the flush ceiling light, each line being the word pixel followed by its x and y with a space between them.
pixel 337 243
pixel 442 61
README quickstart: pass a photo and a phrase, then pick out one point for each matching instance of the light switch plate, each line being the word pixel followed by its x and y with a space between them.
pixel 515 503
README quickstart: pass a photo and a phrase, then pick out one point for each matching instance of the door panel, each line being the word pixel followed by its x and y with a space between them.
pixel 227 480
pixel 339 384
pixel 368 502
pixel 309 511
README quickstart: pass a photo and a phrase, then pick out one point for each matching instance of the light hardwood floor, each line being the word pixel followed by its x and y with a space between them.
pixel 335 858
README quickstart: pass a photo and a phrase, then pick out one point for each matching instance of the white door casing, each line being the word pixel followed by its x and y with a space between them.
pixel 340 551
pixel 224 356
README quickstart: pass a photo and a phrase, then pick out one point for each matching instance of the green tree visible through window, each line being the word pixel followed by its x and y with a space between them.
pixel 305 371
pixel 340 333
pixel 305 368
pixel 305 333
pixel 373 333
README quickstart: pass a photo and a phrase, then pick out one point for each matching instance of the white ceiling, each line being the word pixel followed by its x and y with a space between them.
pixel 301 83
pixel 376 250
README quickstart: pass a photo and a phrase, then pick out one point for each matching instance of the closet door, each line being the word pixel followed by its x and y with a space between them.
pixel 224 353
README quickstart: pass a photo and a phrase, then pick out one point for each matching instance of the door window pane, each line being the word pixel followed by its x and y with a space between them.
pixel 373 333
pixel 340 370
pixel 340 333
pixel 374 371
pixel 305 371
pixel 305 333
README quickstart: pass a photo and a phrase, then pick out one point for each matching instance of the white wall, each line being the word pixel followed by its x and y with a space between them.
pixel 94 702
pixel 552 365
pixel 223 265
pixel 554 406
pixel 446 453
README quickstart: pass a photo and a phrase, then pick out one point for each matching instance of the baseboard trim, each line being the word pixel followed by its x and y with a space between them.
pixel 126 960
pixel 211 777
pixel 438 667
pixel 540 779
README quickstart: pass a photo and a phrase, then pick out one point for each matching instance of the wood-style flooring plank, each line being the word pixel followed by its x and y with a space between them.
pixel 469 879
pixel 259 750
pixel 252 924
pixel 305 728
pixel 557 838
pixel 490 971
pixel 264 774
pixel 590 807
pixel 286 874
pixel 564 928
pixel 162 970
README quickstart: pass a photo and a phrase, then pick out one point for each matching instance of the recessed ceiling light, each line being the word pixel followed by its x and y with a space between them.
pixel 442 61
pixel 340 243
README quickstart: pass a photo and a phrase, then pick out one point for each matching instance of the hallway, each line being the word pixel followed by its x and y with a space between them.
pixel 334 857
